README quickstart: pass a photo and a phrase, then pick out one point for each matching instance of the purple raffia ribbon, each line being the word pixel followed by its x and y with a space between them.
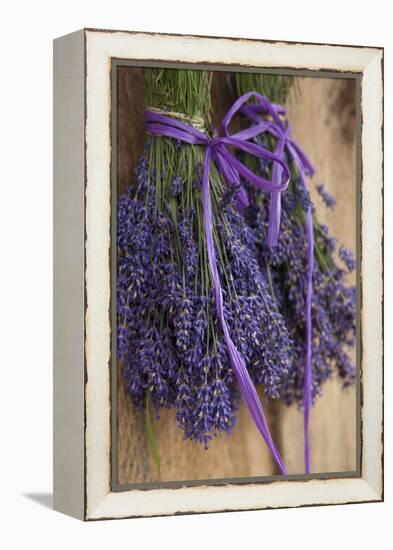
pixel 216 150
pixel 281 131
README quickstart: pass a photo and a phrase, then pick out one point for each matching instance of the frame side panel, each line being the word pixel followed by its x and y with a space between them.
pixel 68 253
pixel 372 274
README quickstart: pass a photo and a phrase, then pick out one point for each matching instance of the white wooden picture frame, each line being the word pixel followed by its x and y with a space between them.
pixel 82 252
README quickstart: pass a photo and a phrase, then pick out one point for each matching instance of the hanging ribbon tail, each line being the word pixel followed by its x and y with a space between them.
pixel 246 385
pixel 274 219
pixel 308 365
pixel 282 133
pixel 275 200
pixel 305 168
pixel 300 158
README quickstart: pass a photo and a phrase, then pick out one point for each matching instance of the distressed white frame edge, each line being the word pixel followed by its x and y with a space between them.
pixel 100 502
pixel 69 274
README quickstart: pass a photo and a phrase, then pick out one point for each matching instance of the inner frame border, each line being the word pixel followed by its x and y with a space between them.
pixel 120 487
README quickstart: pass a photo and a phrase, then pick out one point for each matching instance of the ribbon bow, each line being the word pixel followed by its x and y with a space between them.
pixel 281 131
pixel 231 168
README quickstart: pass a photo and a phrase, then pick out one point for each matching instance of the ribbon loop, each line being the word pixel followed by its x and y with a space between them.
pixel 282 132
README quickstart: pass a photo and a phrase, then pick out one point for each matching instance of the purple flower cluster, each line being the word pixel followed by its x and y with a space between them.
pixel 328 199
pixel 333 303
pixel 268 351
pixel 168 335
pixel 347 257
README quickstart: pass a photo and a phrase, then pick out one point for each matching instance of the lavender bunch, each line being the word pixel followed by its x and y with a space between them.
pixel 169 337
pixel 285 266
pixel 333 303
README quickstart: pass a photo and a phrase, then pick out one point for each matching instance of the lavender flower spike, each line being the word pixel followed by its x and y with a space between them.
pixel 347 257
pixel 328 199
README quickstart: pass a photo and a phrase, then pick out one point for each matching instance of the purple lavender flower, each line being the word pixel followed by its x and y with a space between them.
pixel 177 186
pixel 183 324
pixel 123 338
pixel 328 199
pixel 347 257
pixel 302 195
pixel 169 337
pixel 333 305
pixel 213 411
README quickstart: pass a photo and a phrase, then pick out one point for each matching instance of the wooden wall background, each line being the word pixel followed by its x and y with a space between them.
pixel 322 114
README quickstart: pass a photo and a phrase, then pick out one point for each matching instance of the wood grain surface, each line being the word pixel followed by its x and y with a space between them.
pixel 322 115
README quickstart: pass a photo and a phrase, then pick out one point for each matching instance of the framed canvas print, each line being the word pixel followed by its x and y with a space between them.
pixel 218 274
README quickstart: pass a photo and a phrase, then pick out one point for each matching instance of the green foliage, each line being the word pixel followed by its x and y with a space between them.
pixel 181 90
pixel 273 86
